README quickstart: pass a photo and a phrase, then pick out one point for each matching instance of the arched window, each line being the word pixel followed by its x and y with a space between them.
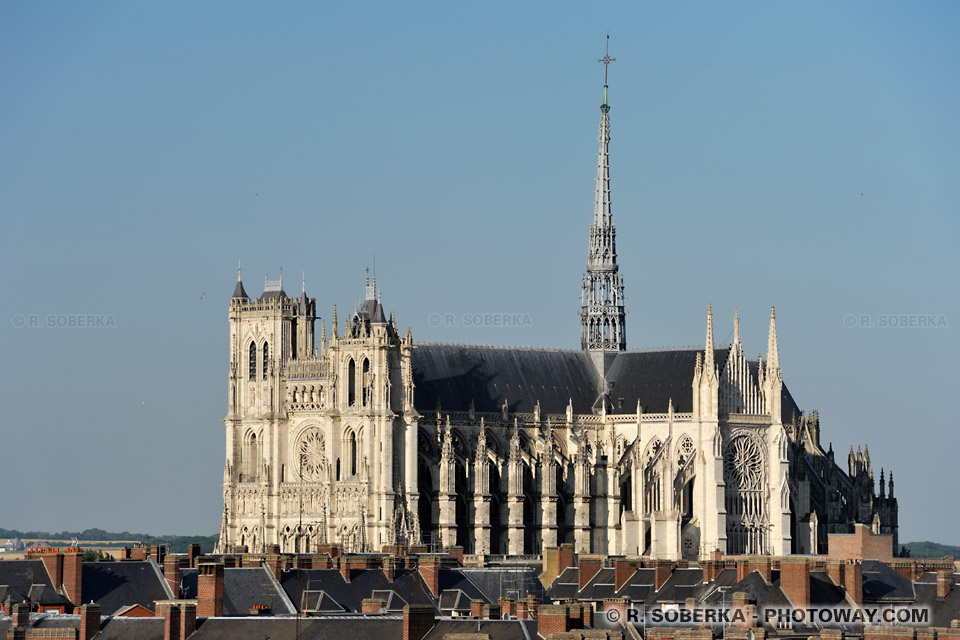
pixel 352 383
pixel 266 358
pixel 252 375
pixel 252 458
pixel 352 444
pixel 365 381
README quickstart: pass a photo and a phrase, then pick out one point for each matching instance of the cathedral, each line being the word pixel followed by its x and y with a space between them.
pixel 365 438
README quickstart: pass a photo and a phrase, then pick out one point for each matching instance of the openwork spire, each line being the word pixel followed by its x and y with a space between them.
pixel 602 314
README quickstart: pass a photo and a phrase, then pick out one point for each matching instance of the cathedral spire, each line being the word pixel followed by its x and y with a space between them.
pixel 239 292
pixel 708 364
pixel 773 350
pixel 736 326
pixel 602 314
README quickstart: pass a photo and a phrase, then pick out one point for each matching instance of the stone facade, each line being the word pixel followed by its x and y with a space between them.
pixel 363 439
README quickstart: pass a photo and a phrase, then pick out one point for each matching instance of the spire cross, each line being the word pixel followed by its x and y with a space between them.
pixel 606 60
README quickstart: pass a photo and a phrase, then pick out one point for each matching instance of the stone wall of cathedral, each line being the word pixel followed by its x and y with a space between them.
pixel 324 446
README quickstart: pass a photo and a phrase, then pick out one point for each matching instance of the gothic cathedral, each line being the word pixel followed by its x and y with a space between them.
pixel 363 438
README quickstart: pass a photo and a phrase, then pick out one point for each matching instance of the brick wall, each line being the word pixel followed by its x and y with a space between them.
pixel 210 590
pixel 862 544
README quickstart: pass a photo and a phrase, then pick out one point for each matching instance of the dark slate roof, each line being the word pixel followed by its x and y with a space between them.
pixel 113 585
pixel 18 576
pixel 500 582
pixel 372 311
pixel 126 628
pixel 682 584
pixel 379 627
pixel 188 583
pixel 453 600
pixel 407 584
pixel 948 609
pixel 757 590
pixel 493 629
pixel 239 291
pixel 245 587
pixel 564 586
pixel 450 376
pixel 655 377
pixel 270 295
pixel 822 590
pixel 600 586
pixel 883 584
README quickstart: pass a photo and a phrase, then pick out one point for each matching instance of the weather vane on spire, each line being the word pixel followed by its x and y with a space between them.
pixel 606 60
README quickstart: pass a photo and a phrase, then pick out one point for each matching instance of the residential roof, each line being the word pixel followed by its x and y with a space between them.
pixel 407 584
pixel 493 629
pixel 27 580
pixel 114 585
pixel 380 627
pixel 245 587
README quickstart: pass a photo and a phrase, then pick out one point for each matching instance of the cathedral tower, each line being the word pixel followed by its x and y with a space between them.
pixel 602 315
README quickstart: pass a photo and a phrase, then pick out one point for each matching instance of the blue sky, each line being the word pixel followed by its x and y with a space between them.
pixel 797 155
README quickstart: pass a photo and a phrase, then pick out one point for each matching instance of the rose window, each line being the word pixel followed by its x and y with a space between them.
pixel 313 456
pixel 743 464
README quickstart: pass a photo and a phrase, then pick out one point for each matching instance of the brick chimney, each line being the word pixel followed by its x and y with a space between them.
pixel 53 563
pixel 260 610
pixel 89 621
pixel 210 590
pixel 553 618
pixel 456 552
pixel 588 566
pixel 158 552
pixel 171 573
pixel 429 567
pixel 418 619
pixel 743 569
pixel 193 552
pixel 345 568
pixel 73 575
pixel 508 606
pixel 476 608
pixel 623 570
pixel 522 612
pixel 761 564
pixel 853 581
pixel 945 583
pixel 21 615
pixel 835 569
pixel 274 563
pixel 661 573
pixel 188 619
pixel 390 568
pixel 372 605
pixel 491 612
pixel 171 620
pixel 795 581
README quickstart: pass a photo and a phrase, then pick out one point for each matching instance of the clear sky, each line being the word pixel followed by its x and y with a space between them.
pixel 803 155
